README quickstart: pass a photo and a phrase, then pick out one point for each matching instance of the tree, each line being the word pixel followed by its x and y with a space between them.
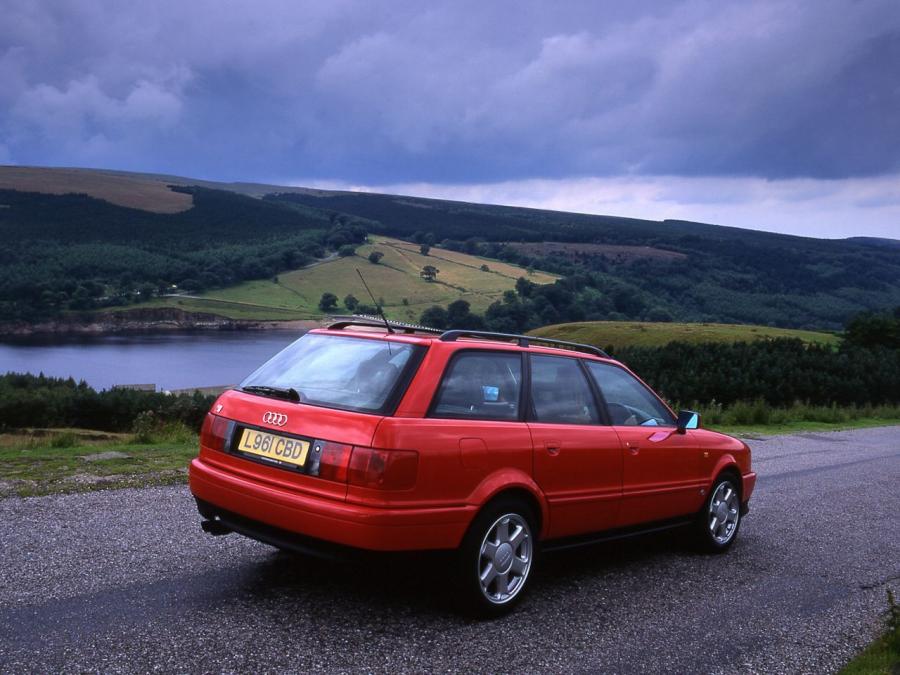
pixel 375 257
pixel 429 272
pixel 524 287
pixel 350 302
pixel 328 302
pixel 347 250
pixel 424 249
pixel 146 291
pixel 460 316
pixel 485 268
pixel 873 329
pixel 434 316
pixel 659 314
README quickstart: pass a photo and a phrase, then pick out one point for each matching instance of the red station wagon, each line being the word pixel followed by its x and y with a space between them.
pixel 398 438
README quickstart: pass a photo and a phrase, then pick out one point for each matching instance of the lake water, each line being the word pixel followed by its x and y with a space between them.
pixel 168 360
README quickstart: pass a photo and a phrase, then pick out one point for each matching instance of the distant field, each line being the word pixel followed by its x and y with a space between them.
pixel 645 334
pixel 296 294
pixel 615 252
pixel 148 194
pixel 230 309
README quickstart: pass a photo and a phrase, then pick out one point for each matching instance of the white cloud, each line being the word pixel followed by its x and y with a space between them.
pixel 807 207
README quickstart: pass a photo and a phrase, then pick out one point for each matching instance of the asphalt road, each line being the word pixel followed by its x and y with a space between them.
pixel 124 581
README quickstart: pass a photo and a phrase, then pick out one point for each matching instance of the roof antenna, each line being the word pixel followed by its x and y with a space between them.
pixel 377 306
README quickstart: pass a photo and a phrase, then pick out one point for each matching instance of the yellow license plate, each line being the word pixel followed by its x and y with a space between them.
pixel 290 450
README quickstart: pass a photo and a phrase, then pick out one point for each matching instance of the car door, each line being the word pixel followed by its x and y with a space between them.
pixel 577 458
pixel 474 426
pixel 661 466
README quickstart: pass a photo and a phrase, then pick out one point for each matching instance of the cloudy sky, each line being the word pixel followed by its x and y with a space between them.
pixel 774 115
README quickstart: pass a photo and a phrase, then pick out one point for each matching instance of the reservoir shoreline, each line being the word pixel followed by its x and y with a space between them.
pixel 142 321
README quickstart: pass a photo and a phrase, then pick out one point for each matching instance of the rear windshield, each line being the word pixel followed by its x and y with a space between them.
pixel 339 372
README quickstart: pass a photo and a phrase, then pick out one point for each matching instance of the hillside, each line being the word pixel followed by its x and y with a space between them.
pixel 296 293
pixel 691 271
pixel 120 238
pixel 621 334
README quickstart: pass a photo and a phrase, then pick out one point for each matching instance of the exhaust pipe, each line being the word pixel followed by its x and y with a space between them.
pixel 215 527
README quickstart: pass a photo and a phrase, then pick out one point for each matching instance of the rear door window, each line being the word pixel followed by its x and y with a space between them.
pixel 481 385
pixel 560 393
pixel 628 401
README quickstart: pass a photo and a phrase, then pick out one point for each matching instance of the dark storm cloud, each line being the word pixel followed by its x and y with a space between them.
pixel 455 91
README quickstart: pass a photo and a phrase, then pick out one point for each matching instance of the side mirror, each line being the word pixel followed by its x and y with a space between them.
pixel 688 419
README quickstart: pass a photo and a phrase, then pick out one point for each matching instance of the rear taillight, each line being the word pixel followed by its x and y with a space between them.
pixel 383 469
pixel 215 432
pixel 333 461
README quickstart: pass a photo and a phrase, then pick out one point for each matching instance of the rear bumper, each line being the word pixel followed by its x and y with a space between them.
pixel 250 503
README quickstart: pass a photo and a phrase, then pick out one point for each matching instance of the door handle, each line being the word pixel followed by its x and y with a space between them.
pixel 632 447
pixel 552 447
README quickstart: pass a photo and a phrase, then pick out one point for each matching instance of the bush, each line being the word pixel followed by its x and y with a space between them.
pixel 758 412
pixel 64 440
pixel 148 428
pixel 777 372
pixel 38 401
pixel 328 301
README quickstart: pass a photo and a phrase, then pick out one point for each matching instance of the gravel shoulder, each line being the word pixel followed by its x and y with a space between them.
pixel 124 581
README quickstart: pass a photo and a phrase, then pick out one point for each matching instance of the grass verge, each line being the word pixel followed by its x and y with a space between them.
pixel 758 417
pixel 883 655
pixel 44 461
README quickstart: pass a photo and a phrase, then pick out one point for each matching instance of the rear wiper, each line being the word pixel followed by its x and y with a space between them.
pixel 288 393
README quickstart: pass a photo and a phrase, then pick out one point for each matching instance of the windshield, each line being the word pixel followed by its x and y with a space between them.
pixel 336 372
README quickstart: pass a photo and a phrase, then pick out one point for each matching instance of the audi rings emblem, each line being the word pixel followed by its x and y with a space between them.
pixel 275 419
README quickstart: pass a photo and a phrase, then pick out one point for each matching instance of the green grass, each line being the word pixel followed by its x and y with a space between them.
pixel 877 659
pixel 757 417
pixel 882 657
pixel 229 309
pixel 800 426
pixel 41 462
pixel 646 334
pixel 297 293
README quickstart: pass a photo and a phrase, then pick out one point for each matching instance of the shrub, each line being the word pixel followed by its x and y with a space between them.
pixel 148 428
pixel 39 401
pixel 328 301
pixel 64 440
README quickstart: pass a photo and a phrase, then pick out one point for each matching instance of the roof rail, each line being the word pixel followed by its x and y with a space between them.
pixel 377 322
pixel 521 340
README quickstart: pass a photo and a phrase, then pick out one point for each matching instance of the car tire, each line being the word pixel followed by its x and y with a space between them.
pixel 719 520
pixel 496 558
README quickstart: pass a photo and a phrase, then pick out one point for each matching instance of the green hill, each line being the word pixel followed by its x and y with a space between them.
pixel 296 293
pixel 621 334
pixel 78 239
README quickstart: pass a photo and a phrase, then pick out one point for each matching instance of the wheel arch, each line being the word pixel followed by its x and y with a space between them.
pixel 729 466
pixel 518 486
